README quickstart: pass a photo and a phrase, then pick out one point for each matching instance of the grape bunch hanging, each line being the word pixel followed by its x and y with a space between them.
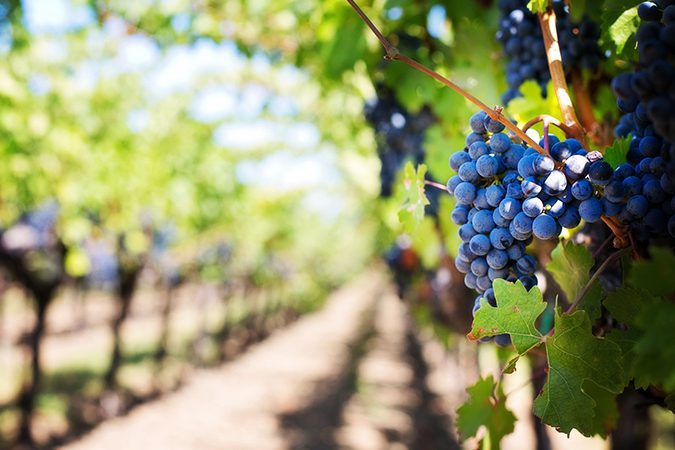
pixel 523 44
pixel 400 138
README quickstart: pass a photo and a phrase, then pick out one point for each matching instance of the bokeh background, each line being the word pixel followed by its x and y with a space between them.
pixel 195 227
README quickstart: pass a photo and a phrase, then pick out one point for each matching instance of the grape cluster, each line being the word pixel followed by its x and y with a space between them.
pixel 506 194
pixel 520 34
pixel 641 191
pixel 647 95
pixel 399 134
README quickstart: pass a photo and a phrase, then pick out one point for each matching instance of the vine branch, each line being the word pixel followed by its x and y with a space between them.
pixel 393 54
pixel 585 106
pixel 555 67
pixel 613 257
pixel 436 185
pixel 547 119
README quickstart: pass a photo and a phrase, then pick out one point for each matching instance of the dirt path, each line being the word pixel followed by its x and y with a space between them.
pixel 251 403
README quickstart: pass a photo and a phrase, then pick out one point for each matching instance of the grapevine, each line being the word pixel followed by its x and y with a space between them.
pixel 512 193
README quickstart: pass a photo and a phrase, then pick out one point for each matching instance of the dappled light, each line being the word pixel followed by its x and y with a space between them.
pixel 337 224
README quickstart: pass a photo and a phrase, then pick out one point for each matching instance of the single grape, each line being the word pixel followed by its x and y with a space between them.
pixel 509 208
pixel 591 210
pixel 545 227
pixel 482 221
pixel 501 238
pixel 480 244
pixel 533 206
pixel 465 193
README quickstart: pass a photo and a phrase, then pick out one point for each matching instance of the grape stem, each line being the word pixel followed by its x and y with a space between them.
pixel 554 56
pixel 436 185
pixel 547 119
pixel 585 106
pixel 619 231
pixel 613 257
pixel 392 54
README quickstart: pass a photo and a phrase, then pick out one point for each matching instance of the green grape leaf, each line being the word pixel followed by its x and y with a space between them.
pixel 655 354
pixel 515 314
pixel 625 303
pixel 623 28
pixel 412 211
pixel 437 152
pixel 483 409
pixel 656 274
pixel 537 6
pixel 616 23
pixel 615 155
pixel 570 266
pixel 627 340
pixel 575 356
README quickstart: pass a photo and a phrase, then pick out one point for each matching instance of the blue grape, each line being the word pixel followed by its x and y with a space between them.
pixel 637 205
pixel 477 122
pixel 459 158
pixel 462 265
pixel 554 207
pixel 499 220
pixel 522 223
pixel 465 193
pixel 526 265
pixel 545 227
pixel 482 221
pixel 591 210
pixel 480 202
pixel 500 143
pixel 501 238
pixel 478 149
pixel 533 206
pixel 576 167
pixel 582 189
pixel 509 208
pixel 570 218
pixel 600 172
pixel 468 172
pixel 480 244
pixel 495 194
pixel 460 214
pixel 497 259
pixel 453 182
pixel 466 232
pixel 487 166
pixel 555 183
pixel 516 251
pixel 479 266
pixel 530 187
pixel 543 165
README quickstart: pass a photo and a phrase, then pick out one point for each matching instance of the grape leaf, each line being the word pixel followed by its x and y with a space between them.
pixel 570 266
pixel 625 303
pixel 626 340
pixel 515 314
pixel 623 28
pixel 537 6
pixel 615 155
pixel 412 211
pixel 655 354
pixel 483 409
pixel 655 274
pixel 618 23
pixel 575 356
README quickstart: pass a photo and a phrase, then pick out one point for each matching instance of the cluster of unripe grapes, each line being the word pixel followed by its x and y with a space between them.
pixel 520 34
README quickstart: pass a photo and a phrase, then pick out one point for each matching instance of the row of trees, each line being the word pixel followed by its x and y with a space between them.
pixel 105 176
